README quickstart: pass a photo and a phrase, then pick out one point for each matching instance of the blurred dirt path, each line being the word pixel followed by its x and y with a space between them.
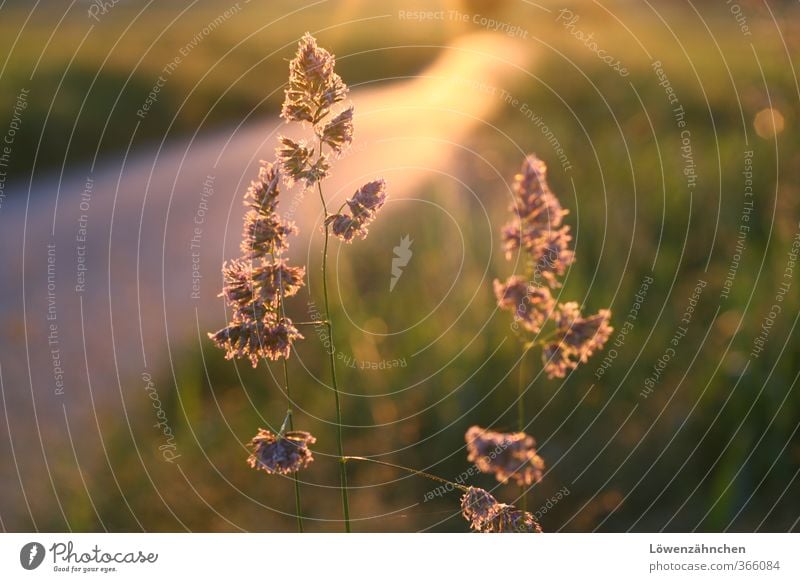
pixel 98 288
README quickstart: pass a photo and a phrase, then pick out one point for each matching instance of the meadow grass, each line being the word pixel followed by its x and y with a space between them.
pixel 644 228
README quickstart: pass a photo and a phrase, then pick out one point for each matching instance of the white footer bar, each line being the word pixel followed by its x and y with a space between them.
pixel 407 557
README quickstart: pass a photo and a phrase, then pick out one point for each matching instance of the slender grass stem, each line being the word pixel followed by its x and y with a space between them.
pixel 332 359
pixel 521 394
pixel 521 417
pixel 297 504
pixel 409 470
pixel 542 341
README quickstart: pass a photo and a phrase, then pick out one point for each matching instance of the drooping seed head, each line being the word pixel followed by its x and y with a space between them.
pixel 281 455
pixel 478 507
pixel 486 515
pixel 508 519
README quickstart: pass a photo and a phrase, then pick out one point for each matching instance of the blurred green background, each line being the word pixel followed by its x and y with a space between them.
pixel 714 447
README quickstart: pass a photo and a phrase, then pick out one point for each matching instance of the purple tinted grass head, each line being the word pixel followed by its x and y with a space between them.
pixel 364 207
pixel 313 85
pixel 293 157
pixel 477 507
pixel 338 132
pixel 487 515
pixel 264 231
pixel 534 203
pixel 368 199
pixel 509 456
pixel 238 283
pixel 537 225
pixel 509 519
pixel 298 163
pixel 313 89
pixel 578 338
pixel 537 231
pixel 256 337
pixel 530 305
pixel 344 226
pixel 255 284
pixel 265 235
pixel 277 279
pixel 281 454
pixel 262 195
pixel 551 255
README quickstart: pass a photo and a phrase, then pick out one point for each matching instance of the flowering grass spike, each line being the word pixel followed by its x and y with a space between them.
pixel 537 231
pixel 313 85
pixel 254 283
pixel 313 89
